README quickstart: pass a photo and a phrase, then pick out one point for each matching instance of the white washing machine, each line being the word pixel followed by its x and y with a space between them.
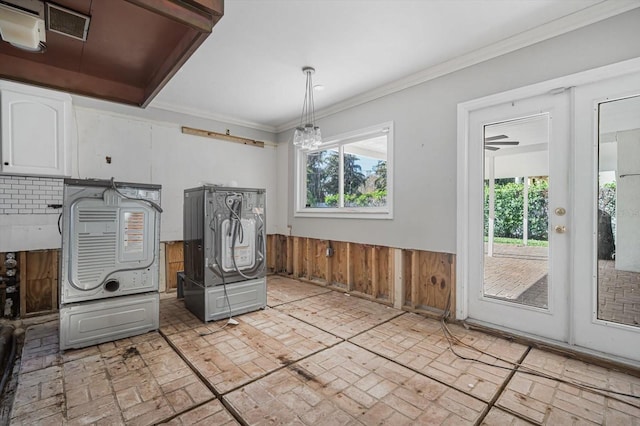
pixel 109 272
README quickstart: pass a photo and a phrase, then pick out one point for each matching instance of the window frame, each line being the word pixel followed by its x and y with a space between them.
pixel 340 141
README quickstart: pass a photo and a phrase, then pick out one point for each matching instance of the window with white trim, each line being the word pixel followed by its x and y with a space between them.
pixel 349 175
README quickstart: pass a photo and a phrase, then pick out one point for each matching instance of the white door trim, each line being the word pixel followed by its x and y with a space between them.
pixel 463 242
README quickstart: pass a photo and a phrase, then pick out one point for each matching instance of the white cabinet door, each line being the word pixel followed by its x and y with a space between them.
pixel 35 133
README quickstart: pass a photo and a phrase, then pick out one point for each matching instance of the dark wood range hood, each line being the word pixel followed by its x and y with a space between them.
pixel 133 48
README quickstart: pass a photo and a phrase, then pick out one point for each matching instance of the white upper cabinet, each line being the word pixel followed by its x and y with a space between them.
pixel 36 125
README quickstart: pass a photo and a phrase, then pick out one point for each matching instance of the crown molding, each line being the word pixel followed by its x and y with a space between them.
pixel 210 116
pixel 598 12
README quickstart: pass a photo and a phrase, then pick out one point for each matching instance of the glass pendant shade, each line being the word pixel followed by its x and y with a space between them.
pixel 307 135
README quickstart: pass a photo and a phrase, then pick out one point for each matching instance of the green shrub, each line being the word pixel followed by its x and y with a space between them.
pixel 509 210
pixel 369 199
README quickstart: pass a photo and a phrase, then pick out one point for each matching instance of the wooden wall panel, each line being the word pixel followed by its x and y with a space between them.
pixel 362 268
pixel 317 259
pixel 339 264
pixel 39 282
pixel 383 273
pixel 300 257
pixel 277 253
pixel 281 253
pixel 272 250
pixel 426 280
pixel 290 255
pixel 434 276
pixel 408 281
pixel 174 262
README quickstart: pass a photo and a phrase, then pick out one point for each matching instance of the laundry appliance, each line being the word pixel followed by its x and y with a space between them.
pixel 224 251
pixel 109 271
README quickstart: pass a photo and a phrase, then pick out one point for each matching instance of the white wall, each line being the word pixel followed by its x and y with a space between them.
pixel 425 133
pixel 147 146
pixel 159 153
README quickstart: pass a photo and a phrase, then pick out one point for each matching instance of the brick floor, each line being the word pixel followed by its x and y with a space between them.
pixel 340 314
pixel 284 290
pixel 139 380
pixel 542 400
pixel 419 343
pixel 262 342
pixel 349 385
pixel 317 358
pixel 210 413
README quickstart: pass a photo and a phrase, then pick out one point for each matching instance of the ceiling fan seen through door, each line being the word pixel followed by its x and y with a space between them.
pixel 493 143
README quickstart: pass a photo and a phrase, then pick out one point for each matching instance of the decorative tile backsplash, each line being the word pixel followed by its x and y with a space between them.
pixel 30 195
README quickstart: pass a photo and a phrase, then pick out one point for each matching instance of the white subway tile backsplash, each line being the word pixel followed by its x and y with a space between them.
pixel 29 195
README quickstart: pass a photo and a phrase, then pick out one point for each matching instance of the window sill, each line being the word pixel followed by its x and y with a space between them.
pixel 344 213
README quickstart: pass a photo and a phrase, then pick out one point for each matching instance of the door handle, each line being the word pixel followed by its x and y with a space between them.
pixel 560 229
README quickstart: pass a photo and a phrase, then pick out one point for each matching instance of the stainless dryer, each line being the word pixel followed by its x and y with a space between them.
pixel 109 272
pixel 224 251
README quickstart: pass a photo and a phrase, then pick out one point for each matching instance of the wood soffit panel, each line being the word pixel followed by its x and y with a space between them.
pixel 133 48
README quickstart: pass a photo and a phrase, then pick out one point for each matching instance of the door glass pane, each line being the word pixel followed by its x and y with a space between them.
pixel 618 205
pixel 516 188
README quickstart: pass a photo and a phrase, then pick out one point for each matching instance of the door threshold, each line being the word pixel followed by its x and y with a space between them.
pixel 601 359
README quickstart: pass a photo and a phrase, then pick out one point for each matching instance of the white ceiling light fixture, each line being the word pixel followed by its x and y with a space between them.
pixel 22 29
pixel 307 134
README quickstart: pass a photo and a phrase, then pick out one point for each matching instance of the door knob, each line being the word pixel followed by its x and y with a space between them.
pixel 560 229
pixel 560 211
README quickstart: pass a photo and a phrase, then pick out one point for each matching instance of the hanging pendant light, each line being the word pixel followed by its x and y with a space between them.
pixel 307 134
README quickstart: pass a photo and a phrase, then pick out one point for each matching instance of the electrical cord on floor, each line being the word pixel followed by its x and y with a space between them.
pixel 230 320
pixel 453 341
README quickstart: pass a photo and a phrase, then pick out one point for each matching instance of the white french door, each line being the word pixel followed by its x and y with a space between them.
pixel 518 217
pixel 578 283
pixel 607 234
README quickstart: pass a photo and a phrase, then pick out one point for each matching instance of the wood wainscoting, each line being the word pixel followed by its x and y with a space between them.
pixel 174 263
pixel 37 273
pixel 414 280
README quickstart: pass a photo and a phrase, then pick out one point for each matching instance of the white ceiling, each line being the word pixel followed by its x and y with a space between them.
pixel 249 71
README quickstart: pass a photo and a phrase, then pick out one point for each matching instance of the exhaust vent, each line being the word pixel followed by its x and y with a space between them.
pixel 67 22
